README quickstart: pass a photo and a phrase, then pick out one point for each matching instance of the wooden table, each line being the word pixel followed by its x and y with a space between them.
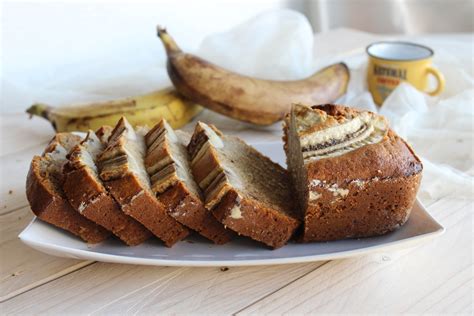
pixel 433 278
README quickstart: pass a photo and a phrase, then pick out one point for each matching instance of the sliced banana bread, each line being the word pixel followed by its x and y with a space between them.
pixel 167 163
pixel 103 133
pixel 122 169
pixel 353 176
pixel 88 196
pixel 245 190
pixel 46 197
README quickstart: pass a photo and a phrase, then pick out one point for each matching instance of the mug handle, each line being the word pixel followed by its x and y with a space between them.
pixel 439 77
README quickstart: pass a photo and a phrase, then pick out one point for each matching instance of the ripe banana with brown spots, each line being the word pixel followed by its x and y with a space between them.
pixel 258 101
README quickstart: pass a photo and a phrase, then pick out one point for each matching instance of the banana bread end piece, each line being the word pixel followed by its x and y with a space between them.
pixel 46 197
pixel 353 176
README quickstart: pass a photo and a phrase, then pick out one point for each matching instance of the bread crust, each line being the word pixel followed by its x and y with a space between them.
pixel 189 210
pixel 381 207
pixel 145 208
pixel 50 204
pixel 91 199
pixel 255 220
pixel 379 199
pixel 366 192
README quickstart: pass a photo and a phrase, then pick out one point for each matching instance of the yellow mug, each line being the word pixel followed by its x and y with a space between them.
pixel 391 63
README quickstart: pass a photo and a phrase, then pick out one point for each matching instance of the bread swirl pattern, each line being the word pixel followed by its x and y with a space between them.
pixel 122 168
pixel 167 163
pixel 337 135
pixel 88 195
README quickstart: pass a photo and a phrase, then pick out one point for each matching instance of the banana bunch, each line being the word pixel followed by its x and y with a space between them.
pixel 139 111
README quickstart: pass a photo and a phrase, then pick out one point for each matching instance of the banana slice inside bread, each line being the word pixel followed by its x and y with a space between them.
pixel 353 176
pixel 245 190
pixel 167 163
pixel 324 136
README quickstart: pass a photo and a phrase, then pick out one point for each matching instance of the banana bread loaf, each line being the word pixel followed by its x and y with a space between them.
pixel 352 175
pixel 245 190
pixel 88 196
pixel 46 197
pixel 122 169
pixel 171 179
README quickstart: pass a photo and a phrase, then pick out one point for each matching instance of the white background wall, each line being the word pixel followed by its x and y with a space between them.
pixel 391 16
pixel 84 46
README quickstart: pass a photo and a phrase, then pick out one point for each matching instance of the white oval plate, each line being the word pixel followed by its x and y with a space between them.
pixel 196 251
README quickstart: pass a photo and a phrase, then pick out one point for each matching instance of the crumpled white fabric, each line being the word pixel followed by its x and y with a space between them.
pixel 441 132
pixel 279 45
pixel 276 44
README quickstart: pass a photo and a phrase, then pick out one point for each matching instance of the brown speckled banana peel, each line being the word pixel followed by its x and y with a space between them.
pixel 258 101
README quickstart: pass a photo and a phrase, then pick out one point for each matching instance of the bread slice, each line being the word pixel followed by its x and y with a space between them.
pixel 103 133
pixel 122 169
pixel 245 190
pixel 167 163
pixel 88 196
pixel 353 176
pixel 46 197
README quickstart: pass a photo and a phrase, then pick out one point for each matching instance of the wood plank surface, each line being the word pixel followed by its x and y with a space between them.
pixel 20 139
pixel 15 167
pixel 18 132
pixel 23 268
pixel 433 278
pixel 127 289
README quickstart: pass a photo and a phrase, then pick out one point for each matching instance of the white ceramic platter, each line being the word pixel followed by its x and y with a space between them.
pixel 196 251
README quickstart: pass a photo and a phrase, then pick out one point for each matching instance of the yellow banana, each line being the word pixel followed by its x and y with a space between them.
pixel 140 111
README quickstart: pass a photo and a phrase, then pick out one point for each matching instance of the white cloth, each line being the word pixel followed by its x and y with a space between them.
pixel 279 45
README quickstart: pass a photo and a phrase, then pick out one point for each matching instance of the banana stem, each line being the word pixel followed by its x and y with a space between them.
pixel 39 109
pixel 168 42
